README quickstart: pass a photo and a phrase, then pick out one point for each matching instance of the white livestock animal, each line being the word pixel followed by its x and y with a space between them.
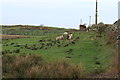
pixel 70 36
pixel 59 37
pixel 65 33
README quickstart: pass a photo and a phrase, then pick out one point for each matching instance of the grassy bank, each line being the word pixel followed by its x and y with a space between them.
pixel 86 49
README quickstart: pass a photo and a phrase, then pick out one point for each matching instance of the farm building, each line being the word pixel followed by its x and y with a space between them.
pixel 82 27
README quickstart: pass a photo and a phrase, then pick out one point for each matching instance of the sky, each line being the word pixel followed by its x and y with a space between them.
pixel 119 10
pixel 61 13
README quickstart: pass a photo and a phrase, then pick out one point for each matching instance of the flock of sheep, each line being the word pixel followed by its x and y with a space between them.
pixel 66 35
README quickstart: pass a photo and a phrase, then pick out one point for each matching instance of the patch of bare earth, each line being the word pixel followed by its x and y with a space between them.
pixel 105 75
pixel 3 36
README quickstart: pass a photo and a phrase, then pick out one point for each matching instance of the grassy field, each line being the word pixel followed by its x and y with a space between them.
pixel 90 51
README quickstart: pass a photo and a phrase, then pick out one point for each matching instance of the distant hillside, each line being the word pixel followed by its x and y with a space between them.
pixel 31 27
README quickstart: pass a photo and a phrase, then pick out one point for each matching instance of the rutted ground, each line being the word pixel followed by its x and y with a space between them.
pixel 3 36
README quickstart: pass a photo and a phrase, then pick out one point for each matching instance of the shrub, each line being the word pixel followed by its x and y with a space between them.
pixel 101 28
pixel 16 66
pixel 56 70
pixel 33 66
pixel 111 34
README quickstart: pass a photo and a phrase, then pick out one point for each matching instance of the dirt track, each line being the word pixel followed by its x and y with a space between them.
pixel 3 36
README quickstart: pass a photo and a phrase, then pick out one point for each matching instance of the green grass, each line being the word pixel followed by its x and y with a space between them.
pixel 86 47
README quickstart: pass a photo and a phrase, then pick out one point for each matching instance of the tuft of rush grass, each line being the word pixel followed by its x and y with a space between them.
pixel 16 66
pixel 33 66
pixel 56 70
pixel 112 35
pixel 113 67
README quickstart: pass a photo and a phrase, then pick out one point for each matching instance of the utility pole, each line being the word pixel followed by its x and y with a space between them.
pixel 81 22
pixel 96 14
pixel 90 21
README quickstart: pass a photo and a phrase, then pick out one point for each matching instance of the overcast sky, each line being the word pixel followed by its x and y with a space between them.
pixel 63 13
